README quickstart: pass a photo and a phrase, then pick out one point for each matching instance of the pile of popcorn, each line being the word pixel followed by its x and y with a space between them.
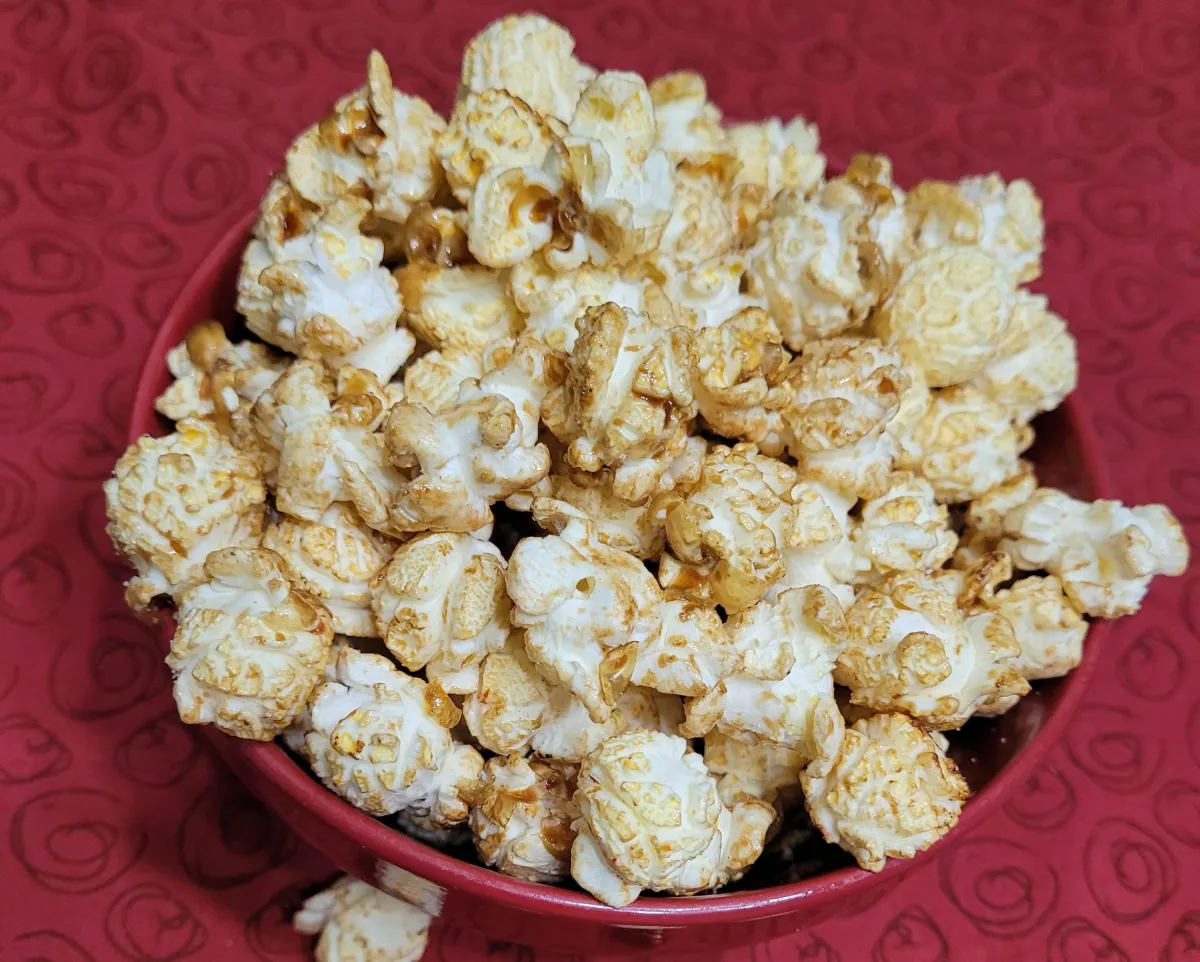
pixel 771 426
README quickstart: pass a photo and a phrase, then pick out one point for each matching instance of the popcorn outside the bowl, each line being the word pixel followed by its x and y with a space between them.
pixel 355 922
pixel 693 360
pixel 248 647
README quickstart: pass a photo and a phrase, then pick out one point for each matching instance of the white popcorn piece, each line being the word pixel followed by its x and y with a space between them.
pixel 1048 628
pixel 754 770
pixel 909 649
pixel 215 377
pixel 355 922
pixel 948 313
pixel 699 227
pixel 434 379
pixel 891 793
pixel 819 261
pixel 983 520
pixel 783 691
pixel 968 444
pixel 903 528
pixel 1104 553
pixel 729 533
pixel 627 398
pixel 690 653
pixel 585 607
pixel 490 129
pixel 532 58
pixel 248 647
pixel 464 458
pixel 333 559
pixel 820 550
pixel 381 739
pixel 771 156
pixel 567 733
pixel 466 308
pixel 554 300
pixel 174 499
pixel 689 124
pixel 741 382
pixel 652 818
pixel 845 391
pixel 1036 366
pixel 325 296
pixel 521 818
pixel 1005 220
pixel 637 529
pixel 377 138
pixel 705 295
pixel 325 443
pixel 440 605
pixel 508 707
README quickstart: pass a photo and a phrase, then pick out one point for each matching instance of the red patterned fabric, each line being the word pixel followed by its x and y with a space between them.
pixel 133 132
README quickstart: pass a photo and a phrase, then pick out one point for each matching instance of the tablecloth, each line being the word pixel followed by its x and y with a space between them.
pixel 133 132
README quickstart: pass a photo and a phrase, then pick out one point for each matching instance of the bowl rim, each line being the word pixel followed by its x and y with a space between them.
pixel 389 845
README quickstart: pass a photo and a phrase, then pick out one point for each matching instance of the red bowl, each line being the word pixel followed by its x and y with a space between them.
pixel 995 754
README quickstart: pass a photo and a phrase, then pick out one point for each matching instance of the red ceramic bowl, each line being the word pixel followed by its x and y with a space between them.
pixel 995 755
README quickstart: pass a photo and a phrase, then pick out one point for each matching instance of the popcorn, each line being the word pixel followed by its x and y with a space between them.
pixel 554 301
pixel 845 391
pixel 377 138
pixel 358 923
pixel 984 518
pixel 728 535
pixel 532 58
pixel 1005 220
pixel 567 732
pixel 522 820
pixel 333 559
pixel 904 528
pixel 690 653
pixel 585 607
pixel 637 529
pixel 435 236
pixel 326 297
pixel 753 770
pixel 627 399
pixel 1036 366
pixel 891 792
pixel 214 377
pixel 440 605
pixel 699 227
pixel 510 702
pixel 248 646
pixel 324 440
pixel 772 157
pixel 174 499
pixel 818 261
pixel 433 380
pixel 689 125
pixel 909 649
pixel 967 444
pixel 457 307
pixel 948 313
pixel 1104 553
pixel 603 193
pixel 741 388
pixel 651 817
pixel 381 739
pixel 1048 628
pixel 783 691
pixel 705 295
pixel 490 129
pixel 473 453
